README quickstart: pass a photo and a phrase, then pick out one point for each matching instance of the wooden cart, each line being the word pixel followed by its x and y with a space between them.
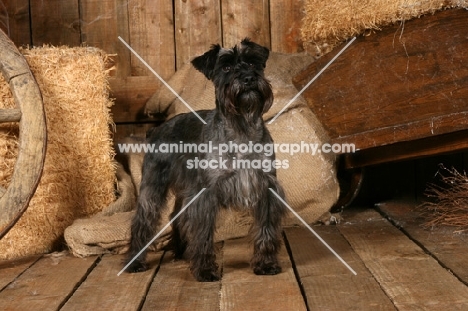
pixel 398 94
pixel 32 142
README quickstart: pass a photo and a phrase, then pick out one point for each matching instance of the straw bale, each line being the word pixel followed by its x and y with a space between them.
pixel 79 174
pixel 327 23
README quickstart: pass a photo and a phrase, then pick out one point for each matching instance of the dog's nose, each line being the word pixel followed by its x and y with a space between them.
pixel 248 80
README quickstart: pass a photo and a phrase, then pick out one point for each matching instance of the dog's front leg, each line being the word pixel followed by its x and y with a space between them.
pixel 266 232
pixel 199 220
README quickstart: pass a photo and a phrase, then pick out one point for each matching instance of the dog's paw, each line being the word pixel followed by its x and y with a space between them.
pixel 267 269
pixel 207 276
pixel 137 266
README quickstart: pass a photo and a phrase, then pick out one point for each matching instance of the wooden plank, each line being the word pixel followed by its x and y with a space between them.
pixel 421 129
pixel 410 277
pixel 398 84
pixel 242 19
pixel 102 22
pixel 197 27
pixel 47 284
pixel 11 269
pixel 285 25
pixel 126 130
pixel 131 95
pixel 444 243
pixel 175 288
pixel 327 283
pixel 105 289
pixel 55 22
pixel 152 36
pixel 16 24
pixel 241 289
pixel 439 144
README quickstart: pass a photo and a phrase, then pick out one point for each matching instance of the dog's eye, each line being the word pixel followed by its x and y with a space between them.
pixel 227 68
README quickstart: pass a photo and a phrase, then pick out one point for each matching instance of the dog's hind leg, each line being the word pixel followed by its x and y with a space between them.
pixel 178 242
pixel 151 202
pixel 266 231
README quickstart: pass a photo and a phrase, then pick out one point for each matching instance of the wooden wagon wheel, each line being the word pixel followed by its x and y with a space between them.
pixel 32 128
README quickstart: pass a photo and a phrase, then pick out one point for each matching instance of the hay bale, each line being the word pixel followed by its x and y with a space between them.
pixel 327 23
pixel 79 175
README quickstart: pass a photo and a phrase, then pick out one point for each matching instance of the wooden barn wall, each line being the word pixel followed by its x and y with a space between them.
pixel 166 33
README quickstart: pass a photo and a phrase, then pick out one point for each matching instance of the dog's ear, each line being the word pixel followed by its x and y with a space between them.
pixel 256 50
pixel 206 62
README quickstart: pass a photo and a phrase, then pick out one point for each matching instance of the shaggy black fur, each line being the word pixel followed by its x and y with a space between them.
pixel 243 95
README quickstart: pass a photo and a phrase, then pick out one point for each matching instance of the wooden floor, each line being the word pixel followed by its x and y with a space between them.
pixel 399 266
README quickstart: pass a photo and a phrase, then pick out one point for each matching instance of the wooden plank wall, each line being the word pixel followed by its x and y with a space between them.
pixel 166 33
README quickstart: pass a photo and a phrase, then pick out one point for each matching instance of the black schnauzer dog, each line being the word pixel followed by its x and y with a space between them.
pixel 243 95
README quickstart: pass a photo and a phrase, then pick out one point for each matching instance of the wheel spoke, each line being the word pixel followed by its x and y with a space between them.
pixel 10 115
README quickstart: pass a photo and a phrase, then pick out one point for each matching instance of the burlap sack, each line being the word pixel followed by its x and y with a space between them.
pixel 310 181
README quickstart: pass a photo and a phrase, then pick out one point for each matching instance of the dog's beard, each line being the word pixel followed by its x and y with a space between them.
pixel 250 100
pixel 247 102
